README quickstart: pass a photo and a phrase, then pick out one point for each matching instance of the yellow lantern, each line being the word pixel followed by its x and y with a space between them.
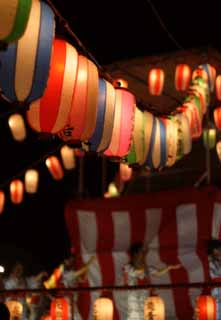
pixel 15 309
pixel 68 157
pixel 2 201
pixel 31 181
pixel 154 308
pixel 209 138
pixel 17 126
pixel 16 191
pixel 122 83
pixel 55 167
pixel 103 309
pixel 205 308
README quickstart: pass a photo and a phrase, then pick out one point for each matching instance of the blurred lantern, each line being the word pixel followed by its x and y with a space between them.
pixel 218 150
pixel 211 72
pixel 50 113
pixel 194 118
pixel 209 138
pixel 154 308
pixel 218 87
pixel 31 181
pixel 25 64
pixel 59 309
pixel 125 172
pixel 112 191
pixel 149 121
pixel 101 137
pixel 217 117
pixel 184 136
pixel 156 81
pixel 55 167
pixel 13 19
pixel 16 191
pixel 2 201
pixel 202 94
pixel 171 141
pixel 120 83
pixel 17 126
pixel 205 308
pixel 200 73
pixel 123 124
pixel 15 309
pixel 68 157
pixel 103 309
pixel 182 77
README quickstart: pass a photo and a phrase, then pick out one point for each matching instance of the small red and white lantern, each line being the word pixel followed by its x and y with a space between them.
pixel 217 117
pixel 103 309
pixel 120 83
pixel 182 77
pixel 17 127
pixel 218 87
pixel 125 172
pixel 55 167
pixel 59 309
pixel 156 81
pixel 31 181
pixel 154 308
pixel 2 201
pixel 205 308
pixel 68 157
pixel 16 191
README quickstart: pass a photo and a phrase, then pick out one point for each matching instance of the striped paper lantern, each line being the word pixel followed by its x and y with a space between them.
pixel 182 77
pixel 211 72
pixel 217 117
pixel 123 124
pixel 156 81
pixel 201 93
pixel 120 83
pixel 125 172
pixel 205 308
pixel 14 15
pixel 200 73
pixel 54 167
pixel 103 309
pixel 16 191
pixel 186 134
pixel 218 87
pixel 101 137
pixel 171 141
pixel 59 309
pixel 193 116
pixel 50 113
pixel 31 181
pixel 154 308
pixel 25 64
pixel 2 201
pixel 218 150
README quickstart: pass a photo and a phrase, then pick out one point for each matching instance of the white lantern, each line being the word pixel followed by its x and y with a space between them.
pixel 31 181
pixel 68 157
pixel 154 308
pixel 2 201
pixel 103 309
pixel 17 126
pixel 15 309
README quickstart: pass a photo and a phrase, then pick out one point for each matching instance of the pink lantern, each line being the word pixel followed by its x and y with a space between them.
pixel 156 81
pixel 55 167
pixel 217 117
pixel 218 87
pixel 182 77
pixel 16 191
pixel 125 172
pixel 2 201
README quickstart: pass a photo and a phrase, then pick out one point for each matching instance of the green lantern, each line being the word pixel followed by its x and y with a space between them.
pixel 209 138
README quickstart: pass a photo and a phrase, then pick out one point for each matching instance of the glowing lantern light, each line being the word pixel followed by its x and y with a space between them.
pixel 205 308
pixel 112 191
pixel 218 87
pixel 123 124
pixel 218 150
pixel 211 72
pixel 31 181
pixel 103 309
pixel 194 118
pixel 200 72
pixel 201 93
pixel 209 138
pixel 171 141
pixel 68 157
pixel 55 167
pixel 25 64
pixel 217 117
pixel 182 77
pixel 125 172
pixel 15 309
pixel 120 83
pixel 154 308
pixel 156 81
pixel 13 19
pixel 2 201
pixel 17 126
pixel 16 191
pixel 59 309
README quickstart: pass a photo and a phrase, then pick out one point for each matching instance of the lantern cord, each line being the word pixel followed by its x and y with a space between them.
pixel 157 15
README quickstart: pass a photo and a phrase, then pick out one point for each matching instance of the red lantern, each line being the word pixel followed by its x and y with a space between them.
pixel 218 87
pixel 16 191
pixel 125 172
pixel 205 308
pixel 156 81
pixel 182 77
pixel 59 309
pixel 2 201
pixel 55 168
pixel 217 117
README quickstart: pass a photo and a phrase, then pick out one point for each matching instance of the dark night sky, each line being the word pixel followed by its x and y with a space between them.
pixel 35 231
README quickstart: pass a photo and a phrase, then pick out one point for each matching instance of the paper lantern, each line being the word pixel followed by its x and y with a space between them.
pixel 202 94
pixel 112 191
pixel 205 308
pixel 218 150
pixel 209 138
pixel 123 124
pixel 2 201
pixel 154 308
pixel 211 72
pixel 125 172
pixel 218 87
pixel 25 64
pixel 54 167
pixel 171 141
pixel 217 117
pixel 13 19
pixel 17 126
pixel 68 157
pixel 15 309
pixel 16 191
pixel 156 81
pixel 200 72
pixel 59 309
pixel 182 77
pixel 31 181
pixel 103 309
pixel 184 135
pixel 120 83
pixel 194 118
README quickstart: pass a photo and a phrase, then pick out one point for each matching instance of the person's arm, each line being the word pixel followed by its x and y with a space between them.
pixel 160 272
pixel 83 270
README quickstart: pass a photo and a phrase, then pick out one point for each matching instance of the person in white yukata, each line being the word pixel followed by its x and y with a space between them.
pixel 136 273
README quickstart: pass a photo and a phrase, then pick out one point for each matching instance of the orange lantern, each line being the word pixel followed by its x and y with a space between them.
pixel 103 309
pixel 55 167
pixel 59 309
pixel 218 87
pixel 68 157
pixel 218 150
pixel 31 181
pixel 120 83
pixel 217 117
pixel 17 126
pixel 182 77
pixel 156 81
pixel 205 308
pixel 154 308
pixel 15 309
pixel 125 172
pixel 16 191
pixel 2 201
